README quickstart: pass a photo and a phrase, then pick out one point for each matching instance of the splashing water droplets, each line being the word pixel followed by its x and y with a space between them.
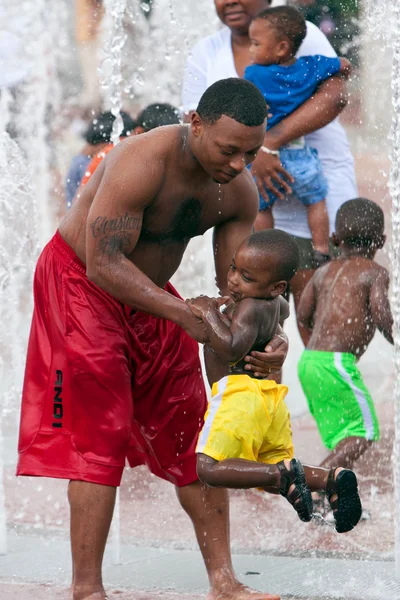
pixel 111 79
pixel 384 24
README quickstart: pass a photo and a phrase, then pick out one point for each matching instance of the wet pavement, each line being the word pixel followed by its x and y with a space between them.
pixel 158 549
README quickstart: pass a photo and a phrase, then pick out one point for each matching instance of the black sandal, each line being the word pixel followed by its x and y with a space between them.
pixel 346 508
pixel 300 496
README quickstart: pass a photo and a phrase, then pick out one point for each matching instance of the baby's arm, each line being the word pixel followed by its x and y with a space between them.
pixel 380 305
pixel 233 342
pixel 306 308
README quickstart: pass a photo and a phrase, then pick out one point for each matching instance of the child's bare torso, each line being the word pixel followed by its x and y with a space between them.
pixel 342 318
pixel 271 313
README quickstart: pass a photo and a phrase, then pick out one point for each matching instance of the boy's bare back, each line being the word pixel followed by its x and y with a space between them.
pixel 344 303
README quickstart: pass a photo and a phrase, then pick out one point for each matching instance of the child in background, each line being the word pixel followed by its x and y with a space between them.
pixel 97 137
pixel 246 440
pixel 342 306
pixel 154 115
pixel 286 82
pixel 157 115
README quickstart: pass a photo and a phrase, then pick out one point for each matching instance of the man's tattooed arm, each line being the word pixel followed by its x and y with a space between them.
pixel 114 236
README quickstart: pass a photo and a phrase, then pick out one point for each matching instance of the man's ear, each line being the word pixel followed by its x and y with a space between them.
pixel 278 288
pixel 196 124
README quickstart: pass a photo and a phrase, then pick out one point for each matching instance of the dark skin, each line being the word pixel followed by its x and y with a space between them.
pixel 131 226
pixel 121 228
pixel 249 322
pixel 254 309
pixel 268 47
pixel 326 104
pixel 340 310
pixel 343 315
pixel 237 15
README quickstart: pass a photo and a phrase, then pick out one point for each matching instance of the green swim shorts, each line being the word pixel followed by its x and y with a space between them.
pixel 337 397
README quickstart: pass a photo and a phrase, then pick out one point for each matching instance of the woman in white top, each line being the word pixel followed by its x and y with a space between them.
pixel 226 54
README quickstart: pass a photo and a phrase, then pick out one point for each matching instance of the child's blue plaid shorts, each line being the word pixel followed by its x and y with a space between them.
pixel 310 185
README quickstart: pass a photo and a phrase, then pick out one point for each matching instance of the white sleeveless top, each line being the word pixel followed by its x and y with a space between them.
pixel 211 59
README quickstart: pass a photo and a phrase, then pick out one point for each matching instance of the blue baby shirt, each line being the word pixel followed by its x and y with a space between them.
pixel 286 88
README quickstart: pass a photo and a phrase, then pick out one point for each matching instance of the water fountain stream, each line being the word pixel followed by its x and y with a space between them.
pixel 383 22
pixel 395 193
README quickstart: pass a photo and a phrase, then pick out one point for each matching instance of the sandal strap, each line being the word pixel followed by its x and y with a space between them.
pixel 300 495
pixel 287 478
pixel 331 484
pixel 331 489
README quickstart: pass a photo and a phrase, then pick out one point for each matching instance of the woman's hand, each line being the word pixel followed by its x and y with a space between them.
pixel 263 364
pixel 268 173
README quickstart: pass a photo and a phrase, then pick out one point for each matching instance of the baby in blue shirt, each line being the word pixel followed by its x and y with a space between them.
pixel 286 82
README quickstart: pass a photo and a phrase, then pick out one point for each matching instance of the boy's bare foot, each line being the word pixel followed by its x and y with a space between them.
pixel 238 591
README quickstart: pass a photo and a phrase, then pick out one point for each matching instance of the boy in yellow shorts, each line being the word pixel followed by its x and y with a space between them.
pixel 246 440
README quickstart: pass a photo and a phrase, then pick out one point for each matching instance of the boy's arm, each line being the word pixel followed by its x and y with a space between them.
pixel 380 305
pixel 306 308
pixel 345 68
pixel 230 343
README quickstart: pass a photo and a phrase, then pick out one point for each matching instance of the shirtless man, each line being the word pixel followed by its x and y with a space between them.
pixel 341 308
pixel 104 381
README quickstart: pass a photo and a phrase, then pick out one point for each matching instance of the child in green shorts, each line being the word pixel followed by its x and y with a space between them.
pixel 342 306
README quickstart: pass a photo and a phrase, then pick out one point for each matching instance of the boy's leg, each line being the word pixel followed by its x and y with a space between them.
pixel 264 220
pixel 209 511
pixel 238 473
pixel 347 452
pixel 340 486
pixel 285 477
pixel 92 508
pixel 316 478
pixel 318 222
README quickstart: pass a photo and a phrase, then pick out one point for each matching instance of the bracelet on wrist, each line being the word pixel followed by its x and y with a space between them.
pixel 268 151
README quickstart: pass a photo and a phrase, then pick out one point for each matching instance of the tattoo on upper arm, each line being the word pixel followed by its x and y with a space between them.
pixel 103 225
pixel 114 244
pixel 114 235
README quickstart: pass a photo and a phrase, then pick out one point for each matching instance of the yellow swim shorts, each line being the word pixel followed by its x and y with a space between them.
pixel 247 418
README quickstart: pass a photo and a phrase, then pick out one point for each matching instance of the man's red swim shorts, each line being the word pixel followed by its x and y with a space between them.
pixel 104 383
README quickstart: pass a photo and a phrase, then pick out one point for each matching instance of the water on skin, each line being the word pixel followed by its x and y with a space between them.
pixel 199 259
